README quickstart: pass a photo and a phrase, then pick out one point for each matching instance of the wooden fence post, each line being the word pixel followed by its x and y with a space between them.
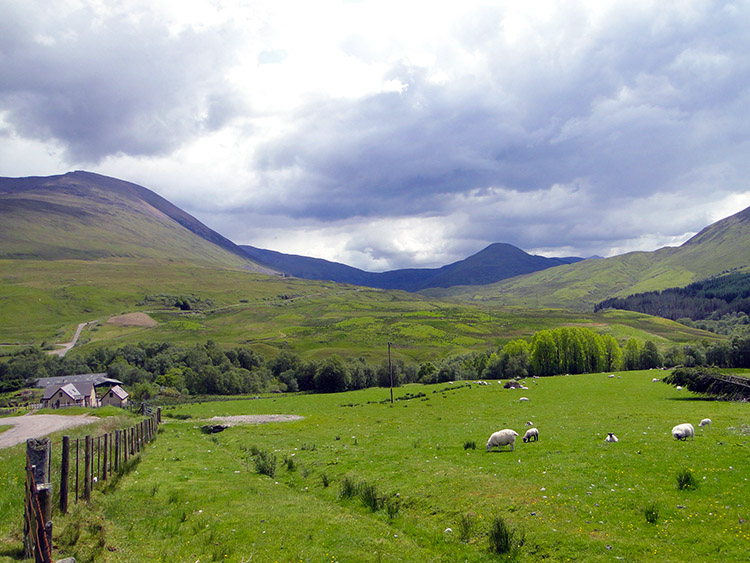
pixel 117 450
pixel 125 445
pixel 77 439
pixel 104 461
pixel 64 474
pixel 87 470
pixel 38 503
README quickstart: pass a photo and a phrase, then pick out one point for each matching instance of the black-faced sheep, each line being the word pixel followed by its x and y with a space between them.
pixel 705 422
pixel 505 437
pixel 611 437
pixel 532 435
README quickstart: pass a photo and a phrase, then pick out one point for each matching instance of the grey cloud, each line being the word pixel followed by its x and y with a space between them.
pixel 113 86
pixel 630 109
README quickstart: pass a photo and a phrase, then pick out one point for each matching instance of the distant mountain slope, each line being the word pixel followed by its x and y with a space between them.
pixel 496 262
pixel 88 216
pixel 722 246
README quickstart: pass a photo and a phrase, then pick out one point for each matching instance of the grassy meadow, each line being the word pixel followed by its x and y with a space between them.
pixel 43 302
pixel 361 479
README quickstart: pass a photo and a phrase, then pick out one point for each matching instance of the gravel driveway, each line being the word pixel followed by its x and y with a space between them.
pixel 38 425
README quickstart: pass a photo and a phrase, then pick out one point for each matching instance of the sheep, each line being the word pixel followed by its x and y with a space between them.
pixel 505 437
pixel 611 437
pixel 523 399
pixel 611 375
pixel 655 379
pixel 683 431
pixel 679 387
pixel 529 423
pixel 705 422
pixel 532 435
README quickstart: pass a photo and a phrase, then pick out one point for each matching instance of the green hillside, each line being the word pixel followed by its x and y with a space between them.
pixel 718 248
pixel 43 301
pixel 87 216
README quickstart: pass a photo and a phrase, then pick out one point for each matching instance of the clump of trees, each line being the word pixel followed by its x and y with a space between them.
pixel 720 304
pixel 169 369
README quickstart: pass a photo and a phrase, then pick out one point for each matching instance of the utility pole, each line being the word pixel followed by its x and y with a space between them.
pixel 390 369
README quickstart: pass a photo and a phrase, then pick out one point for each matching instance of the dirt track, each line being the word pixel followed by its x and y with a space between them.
pixel 38 425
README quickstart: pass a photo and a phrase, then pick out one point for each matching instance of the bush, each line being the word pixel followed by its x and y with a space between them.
pixel 652 513
pixel 348 488
pixel 466 528
pixel 265 463
pixel 470 445
pixel 504 540
pixel 686 479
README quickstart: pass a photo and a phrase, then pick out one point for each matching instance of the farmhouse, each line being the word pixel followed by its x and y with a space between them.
pixel 69 395
pixel 117 397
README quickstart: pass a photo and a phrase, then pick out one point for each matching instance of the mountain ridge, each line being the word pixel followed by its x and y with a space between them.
pixel 495 262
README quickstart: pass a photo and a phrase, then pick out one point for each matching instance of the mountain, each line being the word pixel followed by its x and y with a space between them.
pixel 720 247
pixel 496 262
pixel 87 216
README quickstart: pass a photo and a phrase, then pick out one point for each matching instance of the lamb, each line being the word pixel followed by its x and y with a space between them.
pixel 532 434
pixel 705 422
pixel 683 431
pixel 505 437
pixel 523 399
pixel 529 423
pixel 611 437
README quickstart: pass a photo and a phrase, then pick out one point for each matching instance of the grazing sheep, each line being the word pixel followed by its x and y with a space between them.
pixel 505 437
pixel 611 375
pixel 705 422
pixel 655 379
pixel 532 435
pixel 683 431
pixel 523 399
pixel 529 423
pixel 611 437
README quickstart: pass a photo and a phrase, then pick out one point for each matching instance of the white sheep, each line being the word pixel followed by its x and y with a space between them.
pixel 655 379
pixel 683 431
pixel 532 435
pixel 523 399
pixel 611 375
pixel 705 422
pixel 505 437
pixel 611 437
pixel 679 387
pixel 529 423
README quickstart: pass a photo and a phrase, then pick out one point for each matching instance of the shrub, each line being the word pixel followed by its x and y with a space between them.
pixel 265 463
pixel 325 480
pixel 504 539
pixel 466 528
pixel 392 506
pixel 686 479
pixel 348 488
pixel 652 513
pixel 470 445
pixel 370 497
pixel 290 465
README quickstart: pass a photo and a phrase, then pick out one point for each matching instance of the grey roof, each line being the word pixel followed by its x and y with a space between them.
pixel 120 392
pixel 92 378
pixel 68 388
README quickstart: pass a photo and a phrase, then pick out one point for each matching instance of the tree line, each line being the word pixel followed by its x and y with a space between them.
pixel 720 304
pixel 168 369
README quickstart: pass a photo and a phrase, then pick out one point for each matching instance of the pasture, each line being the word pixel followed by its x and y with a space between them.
pixel 413 475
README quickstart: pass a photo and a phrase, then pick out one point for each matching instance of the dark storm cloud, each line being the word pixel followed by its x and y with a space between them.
pixel 642 105
pixel 114 85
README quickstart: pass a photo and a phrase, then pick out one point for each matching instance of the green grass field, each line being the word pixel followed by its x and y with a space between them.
pixel 45 301
pixel 574 497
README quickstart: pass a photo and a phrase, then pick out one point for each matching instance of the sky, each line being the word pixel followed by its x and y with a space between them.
pixel 391 134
